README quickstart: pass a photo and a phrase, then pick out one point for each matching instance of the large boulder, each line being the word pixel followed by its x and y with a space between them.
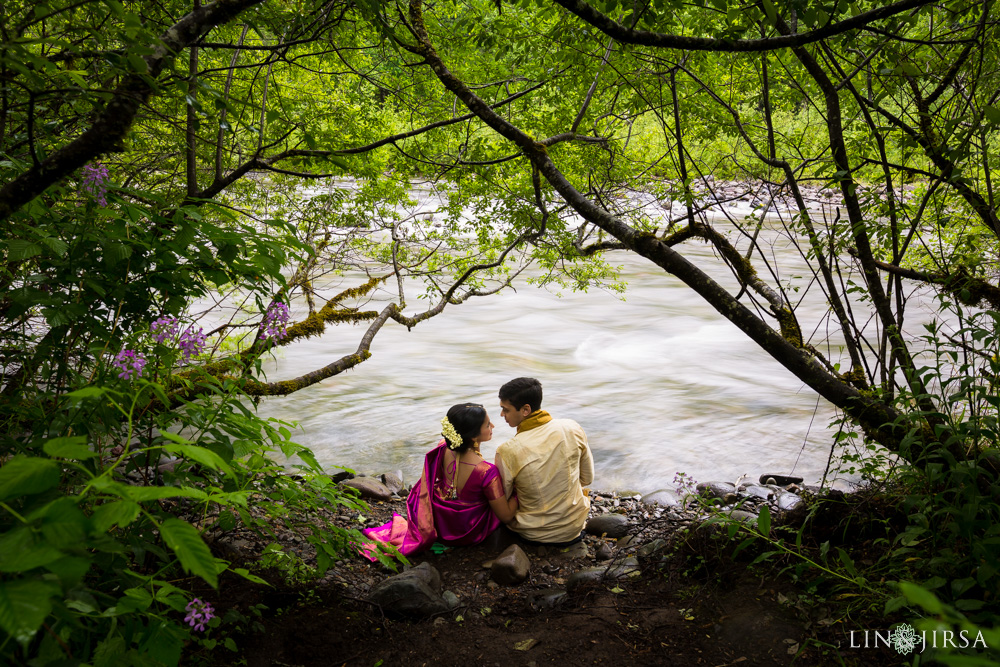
pixel 393 481
pixel 662 497
pixel 612 525
pixel 617 569
pixel 415 593
pixel 719 490
pixel 511 567
pixel 369 488
pixel 780 480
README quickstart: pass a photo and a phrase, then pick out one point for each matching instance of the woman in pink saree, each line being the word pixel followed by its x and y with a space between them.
pixel 459 499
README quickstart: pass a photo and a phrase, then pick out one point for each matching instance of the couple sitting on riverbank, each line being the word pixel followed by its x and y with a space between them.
pixel 535 487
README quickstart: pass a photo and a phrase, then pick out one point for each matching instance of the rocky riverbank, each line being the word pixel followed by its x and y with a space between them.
pixel 628 546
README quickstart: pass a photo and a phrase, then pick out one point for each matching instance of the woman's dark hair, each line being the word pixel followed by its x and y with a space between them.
pixel 522 391
pixel 467 418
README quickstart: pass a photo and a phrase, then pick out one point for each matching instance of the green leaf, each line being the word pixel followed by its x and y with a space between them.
pixel 86 392
pixel 764 521
pixel 922 597
pixel 23 476
pixel 70 570
pixel 846 561
pixel 20 551
pixel 64 525
pixel 245 573
pixel 895 603
pixel 966 604
pixel 24 606
pixel 143 493
pixel 119 512
pixel 19 249
pixel 70 447
pixel 190 549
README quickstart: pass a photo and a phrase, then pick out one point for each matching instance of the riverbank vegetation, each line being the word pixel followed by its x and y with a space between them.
pixel 186 188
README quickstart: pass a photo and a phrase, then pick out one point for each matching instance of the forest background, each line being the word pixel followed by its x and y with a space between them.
pixel 158 156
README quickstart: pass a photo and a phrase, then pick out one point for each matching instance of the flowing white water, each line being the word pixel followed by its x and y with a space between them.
pixel 660 382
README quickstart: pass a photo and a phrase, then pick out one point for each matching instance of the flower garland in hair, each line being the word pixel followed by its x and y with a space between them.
pixel 450 434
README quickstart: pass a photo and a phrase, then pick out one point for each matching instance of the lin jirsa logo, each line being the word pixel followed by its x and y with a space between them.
pixel 904 639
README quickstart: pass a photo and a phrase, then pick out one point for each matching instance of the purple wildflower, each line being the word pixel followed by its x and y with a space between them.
pixel 198 614
pixel 129 363
pixel 275 323
pixel 95 182
pixel 191 342
pixel 164 328
pixel 686 486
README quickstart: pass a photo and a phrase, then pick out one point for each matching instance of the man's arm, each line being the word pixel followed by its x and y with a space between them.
pixel 586 460
pixel 508 480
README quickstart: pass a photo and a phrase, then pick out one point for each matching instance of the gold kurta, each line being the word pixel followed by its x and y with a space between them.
pixel 547 463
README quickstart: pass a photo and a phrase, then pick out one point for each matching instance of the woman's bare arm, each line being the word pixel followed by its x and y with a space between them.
pixel 504 509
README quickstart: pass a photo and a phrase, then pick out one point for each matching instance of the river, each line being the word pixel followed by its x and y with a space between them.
pixel 660 381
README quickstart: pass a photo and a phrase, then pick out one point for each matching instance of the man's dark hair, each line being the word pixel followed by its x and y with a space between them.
pixel 522 391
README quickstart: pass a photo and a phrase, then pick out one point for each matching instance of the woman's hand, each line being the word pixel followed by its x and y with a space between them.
pixel 504 508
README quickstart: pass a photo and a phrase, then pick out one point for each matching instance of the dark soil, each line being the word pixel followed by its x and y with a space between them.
pixel 691 604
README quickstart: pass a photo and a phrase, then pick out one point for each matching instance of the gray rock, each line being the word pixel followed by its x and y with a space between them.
pixel 393 482
pixel 624 568
pixel 604 552
pixel 716 489
pixel 451 599
pixel 369 487
pixel 628 541
pixel 788 501
pixel 612 525
pixel 743 515
pixel 415 593
pixel 546 598
pixel 341 476
pixel 511 567
pixel 578 550
pixel 647 550
pixel 756 491
pixel 662 497
pixel 588 575
pixel 780 480
pixel 792 510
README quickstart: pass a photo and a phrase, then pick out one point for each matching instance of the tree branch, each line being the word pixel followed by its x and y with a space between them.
pixel 113 123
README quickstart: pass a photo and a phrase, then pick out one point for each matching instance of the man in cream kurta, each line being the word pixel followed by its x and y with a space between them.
pixel 547 464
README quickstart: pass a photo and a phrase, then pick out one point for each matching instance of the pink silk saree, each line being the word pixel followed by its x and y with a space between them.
pixel 434 515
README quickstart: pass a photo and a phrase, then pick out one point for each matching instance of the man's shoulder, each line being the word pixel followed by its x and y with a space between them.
pixel 565 425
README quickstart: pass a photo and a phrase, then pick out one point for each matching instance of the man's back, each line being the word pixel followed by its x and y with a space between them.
pixel 548 466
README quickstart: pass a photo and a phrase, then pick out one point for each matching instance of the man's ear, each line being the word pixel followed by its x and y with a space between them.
pixel 525 409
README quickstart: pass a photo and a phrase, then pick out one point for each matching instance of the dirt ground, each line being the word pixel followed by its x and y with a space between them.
pixel 683 609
